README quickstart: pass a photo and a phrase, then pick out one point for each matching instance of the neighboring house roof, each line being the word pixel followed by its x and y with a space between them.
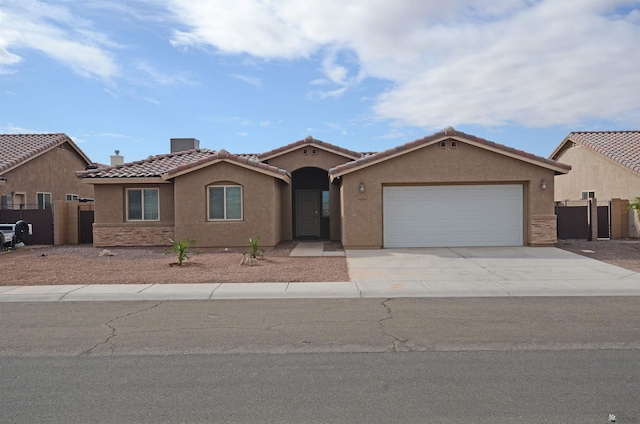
pixel 167 166
pixel 622 147
pixel 17 149
pixel 445 134
pixel 307 142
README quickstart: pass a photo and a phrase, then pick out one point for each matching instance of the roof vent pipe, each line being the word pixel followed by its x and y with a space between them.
pixel 117 159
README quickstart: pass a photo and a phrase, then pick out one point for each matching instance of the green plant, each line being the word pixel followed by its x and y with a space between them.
pixel 635 205
pixel 181 248
pixel 254 248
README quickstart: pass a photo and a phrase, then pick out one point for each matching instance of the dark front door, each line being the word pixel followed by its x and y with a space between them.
pixel 307 213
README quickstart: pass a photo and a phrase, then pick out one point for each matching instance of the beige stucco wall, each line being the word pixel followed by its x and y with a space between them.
pixel 323 159
pixel 110 227
pixel 590 171
pixel 295 159
pixel 51 172
pixel 261 207
pixel 362 220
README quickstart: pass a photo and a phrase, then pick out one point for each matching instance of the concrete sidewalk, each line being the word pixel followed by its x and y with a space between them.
pixel 390 273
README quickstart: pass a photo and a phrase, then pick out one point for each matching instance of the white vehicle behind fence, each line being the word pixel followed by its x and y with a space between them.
pixel 16 233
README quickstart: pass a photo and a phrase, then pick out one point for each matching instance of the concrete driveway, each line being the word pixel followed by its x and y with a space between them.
pixel 487 271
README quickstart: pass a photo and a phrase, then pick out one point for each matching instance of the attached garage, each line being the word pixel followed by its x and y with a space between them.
pixel 449 189
pixel 453 215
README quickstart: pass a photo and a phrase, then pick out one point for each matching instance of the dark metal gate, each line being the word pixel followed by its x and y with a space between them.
pixel 604 227
pixel 573 222
pixel 41 221
pixel 85 226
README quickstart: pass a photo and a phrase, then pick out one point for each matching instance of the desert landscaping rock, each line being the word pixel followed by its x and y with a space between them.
pixel 60 265
pixel 85 265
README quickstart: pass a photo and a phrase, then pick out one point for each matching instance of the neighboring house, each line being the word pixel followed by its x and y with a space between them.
pixel 38 169
pixel 447 189
pixel 605 165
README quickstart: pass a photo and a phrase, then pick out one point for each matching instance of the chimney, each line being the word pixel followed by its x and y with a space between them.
pixel 117 159
pixel 181 144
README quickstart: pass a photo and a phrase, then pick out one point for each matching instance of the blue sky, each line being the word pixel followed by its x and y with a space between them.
pixel 252 75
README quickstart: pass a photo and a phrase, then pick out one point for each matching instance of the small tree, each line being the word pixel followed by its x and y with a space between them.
pixel 181 248
pixel 635 205
pixel 254 248
pixel 254 251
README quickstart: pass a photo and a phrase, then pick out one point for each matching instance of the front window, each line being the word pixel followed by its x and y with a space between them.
pixel 225 203
pixel 588 194
pixel 72 197
pixel 143 204
pixel 44 200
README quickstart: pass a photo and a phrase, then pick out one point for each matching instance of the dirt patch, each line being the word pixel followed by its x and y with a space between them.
pixel 623 253
pixel 41 265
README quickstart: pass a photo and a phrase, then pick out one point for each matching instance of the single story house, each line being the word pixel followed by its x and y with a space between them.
pixel 38 169
pixel 446 189
pixel 38 184
pixel 605 165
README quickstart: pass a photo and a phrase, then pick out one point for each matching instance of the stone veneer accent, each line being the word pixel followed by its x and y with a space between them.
pixel 132 236
pixel 543 230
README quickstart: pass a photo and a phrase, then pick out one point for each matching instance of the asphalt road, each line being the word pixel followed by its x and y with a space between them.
pixel 484 360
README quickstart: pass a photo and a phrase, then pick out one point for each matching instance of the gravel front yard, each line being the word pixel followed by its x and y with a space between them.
pixel 83 264
pixel 622 253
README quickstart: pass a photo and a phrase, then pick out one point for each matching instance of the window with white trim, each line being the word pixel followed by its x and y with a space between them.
pixel 72 197
pixel 143 204
pixel 588 194
pixel 224 203
pixel 44 200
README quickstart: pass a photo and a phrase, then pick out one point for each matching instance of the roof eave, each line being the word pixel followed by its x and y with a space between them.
pixel 348 155
pixel 124 180
pixel 178 172
pixel 365 164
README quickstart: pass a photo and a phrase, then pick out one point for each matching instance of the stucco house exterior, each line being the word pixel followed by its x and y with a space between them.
pixel 605 165
pixel 38 169
pixel 446 189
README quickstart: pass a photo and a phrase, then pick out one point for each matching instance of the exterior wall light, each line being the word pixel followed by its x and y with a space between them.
pixel 543 184
pixel 362 188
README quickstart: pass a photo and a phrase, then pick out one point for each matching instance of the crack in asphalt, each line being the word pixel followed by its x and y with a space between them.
pixel 398 344
pixel 113 334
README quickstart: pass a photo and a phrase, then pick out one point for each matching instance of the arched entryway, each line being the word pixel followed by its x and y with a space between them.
pixel 310 201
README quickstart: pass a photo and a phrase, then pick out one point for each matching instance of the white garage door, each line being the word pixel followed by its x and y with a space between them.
pixel 449 216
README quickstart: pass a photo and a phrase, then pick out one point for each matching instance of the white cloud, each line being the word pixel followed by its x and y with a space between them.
pixel 56 32
pixel 527 62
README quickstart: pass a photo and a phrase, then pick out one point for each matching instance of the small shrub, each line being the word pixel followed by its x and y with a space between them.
pixel 254 248
pixel 181 248
pixel 254 251
pixel 635 205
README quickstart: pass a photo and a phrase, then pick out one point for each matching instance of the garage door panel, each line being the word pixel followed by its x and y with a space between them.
pixel 434 216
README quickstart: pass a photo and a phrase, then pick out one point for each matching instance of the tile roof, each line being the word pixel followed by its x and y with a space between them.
pixel 153 166
pixel 16 149
pixel 306 141
pixel 622 147
pixel 247 160
pixel 174 164
pixel 446 133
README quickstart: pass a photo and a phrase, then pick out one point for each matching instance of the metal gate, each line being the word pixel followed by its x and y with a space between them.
pixel 604 227
pixel 85 226
pixel 573 222
pixel 41 221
